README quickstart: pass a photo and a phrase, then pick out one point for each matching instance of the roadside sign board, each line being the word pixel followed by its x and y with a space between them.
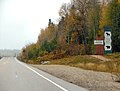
pixel 99 45
pixel 107 40
pixel 98 42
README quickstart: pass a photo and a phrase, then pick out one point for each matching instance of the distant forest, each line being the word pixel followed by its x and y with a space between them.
pixel 80 23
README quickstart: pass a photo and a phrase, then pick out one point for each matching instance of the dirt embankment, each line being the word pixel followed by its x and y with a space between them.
pixel 92 80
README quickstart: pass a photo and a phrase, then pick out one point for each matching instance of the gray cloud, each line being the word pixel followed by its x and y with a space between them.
pixel 21 20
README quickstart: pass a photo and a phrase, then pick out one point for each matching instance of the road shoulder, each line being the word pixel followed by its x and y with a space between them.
pixel 92 80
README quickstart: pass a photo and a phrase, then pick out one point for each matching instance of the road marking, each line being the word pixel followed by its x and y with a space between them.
pixel 62 88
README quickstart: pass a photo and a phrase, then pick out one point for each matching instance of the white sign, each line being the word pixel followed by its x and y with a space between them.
pixel 107 34
pixel 108 48
pixel 107 41
pixel 98 42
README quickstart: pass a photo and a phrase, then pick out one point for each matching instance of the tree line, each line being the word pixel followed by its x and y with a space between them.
pixel 80 23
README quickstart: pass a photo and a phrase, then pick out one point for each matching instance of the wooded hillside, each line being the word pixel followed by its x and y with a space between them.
pixel 81 21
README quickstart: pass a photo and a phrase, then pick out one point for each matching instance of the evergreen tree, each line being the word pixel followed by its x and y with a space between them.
pixel 114 16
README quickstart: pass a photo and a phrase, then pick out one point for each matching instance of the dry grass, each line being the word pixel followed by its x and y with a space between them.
pixel 90 63
pixel 86 62
pixel 73 60
pixel 114 56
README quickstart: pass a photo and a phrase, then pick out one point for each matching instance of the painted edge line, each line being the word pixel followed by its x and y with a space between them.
pixel 42 76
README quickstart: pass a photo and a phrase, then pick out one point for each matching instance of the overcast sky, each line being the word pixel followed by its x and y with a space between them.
pixel 21 20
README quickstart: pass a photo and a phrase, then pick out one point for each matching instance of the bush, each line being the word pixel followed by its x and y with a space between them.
pixel 75 50
pixel 49 46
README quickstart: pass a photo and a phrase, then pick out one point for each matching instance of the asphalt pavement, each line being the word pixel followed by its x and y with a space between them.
pixel 18 76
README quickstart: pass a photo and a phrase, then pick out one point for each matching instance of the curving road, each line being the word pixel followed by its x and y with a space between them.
pixel 18 76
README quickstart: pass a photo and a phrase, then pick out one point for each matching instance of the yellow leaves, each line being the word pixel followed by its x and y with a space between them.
pixel 73 37
pixel 119 1
pixel 47 34
pixel 104 21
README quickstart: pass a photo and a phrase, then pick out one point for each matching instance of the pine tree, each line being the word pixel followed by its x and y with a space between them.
pixel 114 16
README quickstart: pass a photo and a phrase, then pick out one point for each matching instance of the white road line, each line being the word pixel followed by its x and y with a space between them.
pixel 62 88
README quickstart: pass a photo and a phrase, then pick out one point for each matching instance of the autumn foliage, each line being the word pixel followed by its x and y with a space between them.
pixel 81 21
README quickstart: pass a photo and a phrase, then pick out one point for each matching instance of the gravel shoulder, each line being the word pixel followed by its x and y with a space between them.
pixel 92 80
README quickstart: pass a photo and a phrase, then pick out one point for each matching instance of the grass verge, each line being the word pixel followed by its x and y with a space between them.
pixel 86 62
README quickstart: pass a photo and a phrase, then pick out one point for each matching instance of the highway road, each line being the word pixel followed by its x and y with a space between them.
pixel 18 76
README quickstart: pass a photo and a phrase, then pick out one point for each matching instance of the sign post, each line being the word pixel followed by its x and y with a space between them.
pixel 99 45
